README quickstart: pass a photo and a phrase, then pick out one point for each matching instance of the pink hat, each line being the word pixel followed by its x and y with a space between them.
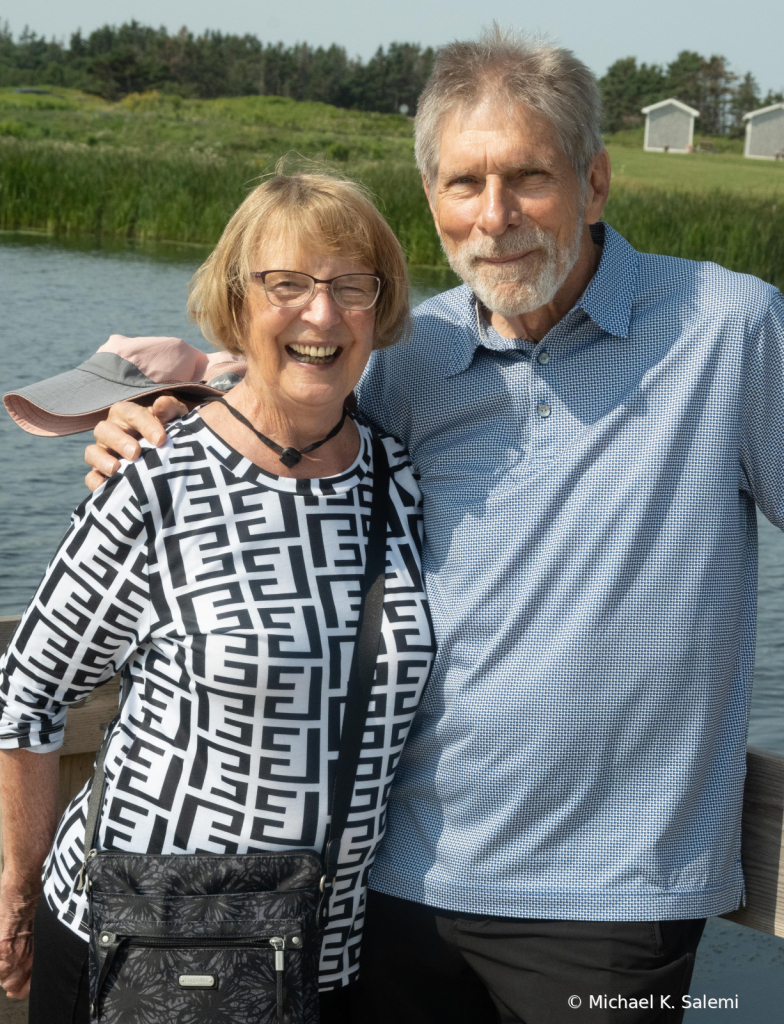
pixel 121 369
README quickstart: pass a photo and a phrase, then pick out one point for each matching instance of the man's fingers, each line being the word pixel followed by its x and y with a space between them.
pixel 94 479
pixel 167 408
pixel 132 420
pixel 119 439
pixel 101 460
pixel 116 436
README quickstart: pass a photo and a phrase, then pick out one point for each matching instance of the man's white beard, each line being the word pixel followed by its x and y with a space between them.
pixel 516 287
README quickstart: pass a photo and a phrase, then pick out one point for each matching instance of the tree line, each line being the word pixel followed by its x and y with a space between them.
pixel 705 83
pixel 115 61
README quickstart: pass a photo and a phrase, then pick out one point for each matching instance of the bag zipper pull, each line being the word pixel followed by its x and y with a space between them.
pixel 279 944
pixel 108 944
pixel 83 881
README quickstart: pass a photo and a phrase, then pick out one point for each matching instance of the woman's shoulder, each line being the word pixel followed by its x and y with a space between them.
pixel 402 473
pixel 397 453
pixel 185 434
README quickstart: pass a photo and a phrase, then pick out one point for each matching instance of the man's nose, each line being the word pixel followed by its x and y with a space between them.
pixel 498 210
pixel 322 310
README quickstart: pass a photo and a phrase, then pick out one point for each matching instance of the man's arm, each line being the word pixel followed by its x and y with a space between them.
pixel 116 436
pixel 28 795
pixel 763 412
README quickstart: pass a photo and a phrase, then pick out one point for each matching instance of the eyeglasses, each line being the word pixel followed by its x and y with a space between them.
pixel 291 288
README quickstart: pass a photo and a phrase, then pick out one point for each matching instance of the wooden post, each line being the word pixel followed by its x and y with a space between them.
pixel 762 844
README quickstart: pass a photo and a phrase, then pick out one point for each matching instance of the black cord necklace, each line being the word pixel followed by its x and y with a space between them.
pixel 288 456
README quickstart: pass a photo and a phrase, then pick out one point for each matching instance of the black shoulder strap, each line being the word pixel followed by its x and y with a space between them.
pixel 97 790
pixel 362 674
pixel 360 684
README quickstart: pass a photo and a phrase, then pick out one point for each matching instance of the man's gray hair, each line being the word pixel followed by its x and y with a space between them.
pixel 518 70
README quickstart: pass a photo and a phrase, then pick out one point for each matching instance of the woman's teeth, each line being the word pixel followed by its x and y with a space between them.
pixel 313 353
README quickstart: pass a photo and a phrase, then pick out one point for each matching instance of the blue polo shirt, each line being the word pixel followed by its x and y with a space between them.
pixel 590 556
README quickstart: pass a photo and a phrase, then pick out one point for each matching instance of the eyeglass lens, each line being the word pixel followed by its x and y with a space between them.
pixel 351 291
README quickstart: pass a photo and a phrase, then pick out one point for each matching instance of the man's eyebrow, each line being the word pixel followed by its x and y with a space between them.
pixel 539 164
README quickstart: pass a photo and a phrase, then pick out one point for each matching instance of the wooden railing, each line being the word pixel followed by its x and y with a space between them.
pixel 762 850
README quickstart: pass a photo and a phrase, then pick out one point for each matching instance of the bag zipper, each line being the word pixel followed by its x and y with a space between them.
pixel 111 942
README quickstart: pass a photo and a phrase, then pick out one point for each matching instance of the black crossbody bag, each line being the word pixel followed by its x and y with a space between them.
pixel 224 938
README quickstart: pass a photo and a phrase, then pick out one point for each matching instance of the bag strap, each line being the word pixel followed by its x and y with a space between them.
pixel 360 684
pixel 362 673
pixel 97 790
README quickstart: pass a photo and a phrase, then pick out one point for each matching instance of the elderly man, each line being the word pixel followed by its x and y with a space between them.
pixel 593 427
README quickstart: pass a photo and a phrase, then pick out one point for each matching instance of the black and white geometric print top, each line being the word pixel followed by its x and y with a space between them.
pixel 229 597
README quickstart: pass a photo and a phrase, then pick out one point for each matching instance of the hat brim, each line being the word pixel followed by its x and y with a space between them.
pixel 76 400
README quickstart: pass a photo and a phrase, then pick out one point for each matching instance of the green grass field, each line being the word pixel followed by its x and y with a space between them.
pixel 696 172
pixel 167 168
pixel 259 127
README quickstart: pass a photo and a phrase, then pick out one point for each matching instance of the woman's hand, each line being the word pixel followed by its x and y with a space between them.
pixel 17 911
pixel 116 436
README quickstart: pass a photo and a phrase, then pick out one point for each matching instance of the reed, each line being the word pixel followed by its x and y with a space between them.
pixel 741 233
pixel 186 196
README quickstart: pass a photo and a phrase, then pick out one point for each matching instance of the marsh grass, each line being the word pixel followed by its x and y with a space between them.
pixel 155 167
pixel 744 234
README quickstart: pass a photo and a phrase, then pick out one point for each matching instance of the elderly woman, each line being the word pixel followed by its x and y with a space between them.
pixel 220 574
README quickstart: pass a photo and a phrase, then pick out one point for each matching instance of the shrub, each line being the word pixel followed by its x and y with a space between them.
pixel 13 129
pixel 337 151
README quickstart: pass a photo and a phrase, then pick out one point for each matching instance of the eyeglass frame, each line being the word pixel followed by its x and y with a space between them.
pixel 260 275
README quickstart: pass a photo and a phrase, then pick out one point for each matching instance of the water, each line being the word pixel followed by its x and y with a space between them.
pixel 61 300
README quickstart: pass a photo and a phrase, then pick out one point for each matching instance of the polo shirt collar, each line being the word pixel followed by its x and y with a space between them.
pixel 607 300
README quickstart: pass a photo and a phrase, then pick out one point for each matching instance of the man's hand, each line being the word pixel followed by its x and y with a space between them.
pixel 17 911
pixel 116 436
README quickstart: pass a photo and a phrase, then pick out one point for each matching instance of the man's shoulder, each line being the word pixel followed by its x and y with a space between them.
pixel 438 324
pixel 701 288
pixel 447 307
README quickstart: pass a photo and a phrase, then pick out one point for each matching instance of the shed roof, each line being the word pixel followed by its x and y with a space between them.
pixel 763 110
pixel 674 103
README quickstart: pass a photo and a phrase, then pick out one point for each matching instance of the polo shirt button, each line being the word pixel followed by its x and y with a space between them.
pixel 543 358
pixel 544 410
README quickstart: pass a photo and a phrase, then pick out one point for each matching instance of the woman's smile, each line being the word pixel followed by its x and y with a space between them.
pixel 316 355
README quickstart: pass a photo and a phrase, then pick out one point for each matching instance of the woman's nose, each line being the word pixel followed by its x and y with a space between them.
pixel 322 310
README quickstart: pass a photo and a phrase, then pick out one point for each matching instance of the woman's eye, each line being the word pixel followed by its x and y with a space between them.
pixel 289 288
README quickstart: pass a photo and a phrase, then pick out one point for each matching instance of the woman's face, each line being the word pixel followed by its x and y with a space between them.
pixel 278 338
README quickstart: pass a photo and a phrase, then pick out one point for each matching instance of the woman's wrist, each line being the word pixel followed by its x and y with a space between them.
pixel 20 887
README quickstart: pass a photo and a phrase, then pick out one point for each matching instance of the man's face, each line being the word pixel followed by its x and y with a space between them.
pixel 508 206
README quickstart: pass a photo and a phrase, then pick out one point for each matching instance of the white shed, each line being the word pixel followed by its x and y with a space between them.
pixel 765 133
pixel 669 127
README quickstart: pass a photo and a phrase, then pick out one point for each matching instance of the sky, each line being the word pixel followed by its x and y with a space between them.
pixel 599 31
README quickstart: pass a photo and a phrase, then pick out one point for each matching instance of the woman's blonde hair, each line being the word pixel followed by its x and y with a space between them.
pixel 321 213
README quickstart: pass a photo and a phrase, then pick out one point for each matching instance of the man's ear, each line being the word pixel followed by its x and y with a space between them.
pixel 428 193
pixel 598 187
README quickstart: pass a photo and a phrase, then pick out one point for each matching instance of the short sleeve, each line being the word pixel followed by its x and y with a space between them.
pixel 382 400
pixel 89 614
pixel 762 441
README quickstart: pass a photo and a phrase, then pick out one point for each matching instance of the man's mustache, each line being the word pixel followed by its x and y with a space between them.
pixel 511 243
